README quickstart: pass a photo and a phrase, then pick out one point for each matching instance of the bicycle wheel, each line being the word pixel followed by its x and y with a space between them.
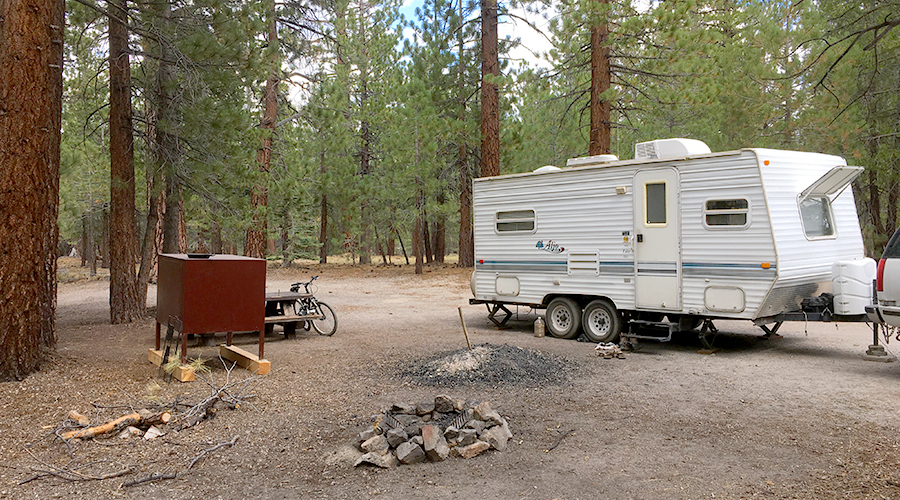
pixel 328 325
pixel 301 308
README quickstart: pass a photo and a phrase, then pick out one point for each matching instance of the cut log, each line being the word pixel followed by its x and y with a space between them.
pixel 118 424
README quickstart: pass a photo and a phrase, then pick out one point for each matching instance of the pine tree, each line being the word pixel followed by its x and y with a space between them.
pixel 31 58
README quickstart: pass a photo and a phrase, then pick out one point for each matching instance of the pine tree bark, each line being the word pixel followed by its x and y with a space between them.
pixel 490 94
pixel 601 79
pixel 124 306
pixel 466 241
pixel 259 196
pixel 31 57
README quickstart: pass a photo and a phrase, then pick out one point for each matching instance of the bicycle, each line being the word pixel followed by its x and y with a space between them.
pixel 325 321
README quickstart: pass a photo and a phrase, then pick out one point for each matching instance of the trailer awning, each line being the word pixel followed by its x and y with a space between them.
pixel 832 184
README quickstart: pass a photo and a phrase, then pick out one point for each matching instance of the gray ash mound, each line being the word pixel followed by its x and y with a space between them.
pixel 491 365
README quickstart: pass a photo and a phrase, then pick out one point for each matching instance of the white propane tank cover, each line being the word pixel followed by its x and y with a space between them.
pixel 669 148
pixel 852 285
pixel 547 168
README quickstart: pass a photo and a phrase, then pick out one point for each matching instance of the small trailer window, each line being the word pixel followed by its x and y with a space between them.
pixel 816 216
pixel 726 214
pixel 515 221
pixel 655 209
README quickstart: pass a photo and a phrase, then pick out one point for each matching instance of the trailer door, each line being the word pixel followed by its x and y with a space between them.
pixel 657 246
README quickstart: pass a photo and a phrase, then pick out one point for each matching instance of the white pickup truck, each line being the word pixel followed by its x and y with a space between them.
pixel 886 307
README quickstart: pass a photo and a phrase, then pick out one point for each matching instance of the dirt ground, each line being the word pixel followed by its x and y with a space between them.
pixel 804 416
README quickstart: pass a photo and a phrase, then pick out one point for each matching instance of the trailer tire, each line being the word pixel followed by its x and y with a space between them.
pixel 601 322
pixel 563 318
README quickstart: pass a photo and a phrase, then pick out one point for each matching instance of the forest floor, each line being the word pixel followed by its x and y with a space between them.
pixel 804 416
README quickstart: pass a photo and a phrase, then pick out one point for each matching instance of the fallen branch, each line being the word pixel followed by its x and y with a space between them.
pixel 70 473
pixel 199 413
pixel 152 477
pixel 214 448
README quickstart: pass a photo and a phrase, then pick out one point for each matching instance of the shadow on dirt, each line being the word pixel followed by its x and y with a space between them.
pixel 724 343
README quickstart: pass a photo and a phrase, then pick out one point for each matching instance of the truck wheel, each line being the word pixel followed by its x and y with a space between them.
pixel 602 322
pixel 563 318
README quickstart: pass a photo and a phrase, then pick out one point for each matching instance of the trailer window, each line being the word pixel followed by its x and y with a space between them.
pixel 726 214
pixel 655 209
pixel 514 221
pixel 816 216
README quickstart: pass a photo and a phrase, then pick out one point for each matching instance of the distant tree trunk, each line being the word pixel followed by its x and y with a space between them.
pixel 124 306
pixel 323 230
pixel 418 239
pixel 83 242
pixel 148 247
pixel 216 245
pixel 287 246
pixel 31 57
pixel 600 135
pixel 259 196
pixel 182 225
pixel 104 236
pixel 490 95
pixel 172 215
pixel 426 240
pixel 439 236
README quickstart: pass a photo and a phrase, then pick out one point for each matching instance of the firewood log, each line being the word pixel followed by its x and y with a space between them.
pixel 149 418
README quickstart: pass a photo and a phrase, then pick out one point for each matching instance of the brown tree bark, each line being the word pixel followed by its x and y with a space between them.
pixel 31 55
pixel 124 306
pixel 259 196
pixel 466 241
pixel 490 94
pixel 601 79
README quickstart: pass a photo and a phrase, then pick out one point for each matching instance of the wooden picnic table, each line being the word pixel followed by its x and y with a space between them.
pixel 280 311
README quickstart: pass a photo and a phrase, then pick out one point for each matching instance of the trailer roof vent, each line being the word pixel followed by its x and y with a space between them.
pixel 669 148
pixel 547 168
pixel 591 160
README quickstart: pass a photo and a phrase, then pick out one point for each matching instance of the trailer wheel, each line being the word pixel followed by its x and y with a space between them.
pixel 563 318
pixel 601 321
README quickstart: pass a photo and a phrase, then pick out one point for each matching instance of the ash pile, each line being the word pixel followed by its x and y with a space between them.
pixel 489 364
pixel 432 431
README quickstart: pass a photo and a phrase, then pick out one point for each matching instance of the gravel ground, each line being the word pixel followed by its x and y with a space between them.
pixel 805 416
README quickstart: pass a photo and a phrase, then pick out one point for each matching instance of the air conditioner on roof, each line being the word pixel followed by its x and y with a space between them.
pixel 669 148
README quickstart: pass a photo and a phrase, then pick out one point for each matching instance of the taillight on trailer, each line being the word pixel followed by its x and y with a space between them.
pixel 879 286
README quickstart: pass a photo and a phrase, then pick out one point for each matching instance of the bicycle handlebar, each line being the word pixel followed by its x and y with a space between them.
pixel 305 285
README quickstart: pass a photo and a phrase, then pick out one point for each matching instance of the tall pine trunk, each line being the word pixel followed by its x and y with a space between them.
pixel 124 306
pixel 600 135
pixel 31 55
pixel 259 197
pixel 490 94
pixel 466 241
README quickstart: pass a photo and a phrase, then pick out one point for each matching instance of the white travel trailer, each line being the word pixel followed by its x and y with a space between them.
pixel 679 233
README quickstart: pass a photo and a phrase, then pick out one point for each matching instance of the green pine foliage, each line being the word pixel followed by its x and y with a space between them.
pixel 378 114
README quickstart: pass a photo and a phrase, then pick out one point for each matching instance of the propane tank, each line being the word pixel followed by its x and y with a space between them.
pixel 539 327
